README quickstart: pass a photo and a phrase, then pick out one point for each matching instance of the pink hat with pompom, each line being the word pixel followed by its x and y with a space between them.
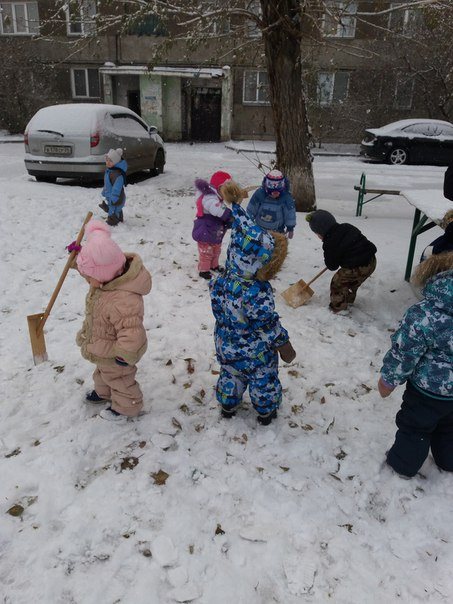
pixel 100 257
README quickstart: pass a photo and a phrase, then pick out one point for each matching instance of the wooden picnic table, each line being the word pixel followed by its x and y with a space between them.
pixel 430 205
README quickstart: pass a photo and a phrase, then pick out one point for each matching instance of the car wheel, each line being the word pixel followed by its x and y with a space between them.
pixel 159 163
pixel 51 179
pixel 398 156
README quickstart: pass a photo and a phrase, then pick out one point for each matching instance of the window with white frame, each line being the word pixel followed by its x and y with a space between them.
pixel 85 83
pixel 81 15
pixel 19 18
pixel 216 25
pixel 404 91
pixel 404 20
pixel 255 88
pixel 332 87
pixel 339 19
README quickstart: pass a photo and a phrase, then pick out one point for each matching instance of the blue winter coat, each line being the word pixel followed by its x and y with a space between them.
pixel 114 191
pixel 272 214
pixel 422 347
pixel 246 322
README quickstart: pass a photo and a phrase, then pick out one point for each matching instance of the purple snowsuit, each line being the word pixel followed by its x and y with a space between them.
pixel 212 218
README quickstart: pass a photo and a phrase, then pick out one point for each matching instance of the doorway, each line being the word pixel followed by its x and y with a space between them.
pixel 205 114
pixel 133 101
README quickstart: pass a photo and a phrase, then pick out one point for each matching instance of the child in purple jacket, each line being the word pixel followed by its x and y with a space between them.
pixel 211 222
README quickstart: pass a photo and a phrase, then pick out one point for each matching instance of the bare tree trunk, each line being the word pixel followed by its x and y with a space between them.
pixel 281 37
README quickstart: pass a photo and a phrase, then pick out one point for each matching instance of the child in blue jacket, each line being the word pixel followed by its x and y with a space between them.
pixel 248 333
pixel 422 356
pixel 272 206
pixel 114 183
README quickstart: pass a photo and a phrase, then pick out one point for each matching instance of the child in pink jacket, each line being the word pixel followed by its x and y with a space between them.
pixel 112 336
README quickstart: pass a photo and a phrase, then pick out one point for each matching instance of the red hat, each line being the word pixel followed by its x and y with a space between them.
pixel 219 178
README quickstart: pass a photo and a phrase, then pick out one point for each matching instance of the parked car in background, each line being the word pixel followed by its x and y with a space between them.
pixel 70 141
pixel 415 141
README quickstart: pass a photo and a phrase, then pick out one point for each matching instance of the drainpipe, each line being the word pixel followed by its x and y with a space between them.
pixel 227 105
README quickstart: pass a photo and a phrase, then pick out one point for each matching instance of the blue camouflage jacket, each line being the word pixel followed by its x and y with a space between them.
pixel 272 214
pixel 422 347
pixel 114 191
pixel 247 324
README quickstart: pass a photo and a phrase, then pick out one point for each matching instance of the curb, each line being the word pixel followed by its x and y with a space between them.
pixel 313 152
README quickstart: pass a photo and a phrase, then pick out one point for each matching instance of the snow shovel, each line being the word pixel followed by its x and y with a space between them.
pixel 36 322
pixel 299 293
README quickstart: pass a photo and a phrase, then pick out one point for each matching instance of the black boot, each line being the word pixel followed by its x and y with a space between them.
pixel 112 220
pixel 104 206
pixel 227 412
pixel 120 217
pixel 266 419
pixel 205 275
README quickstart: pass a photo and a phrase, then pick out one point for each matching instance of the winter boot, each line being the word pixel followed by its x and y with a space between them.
pixel 104 206
pixel 112 416
pixel 121 217
pixel 93 397
pixel 266 418
pixel 227 412
pixel 112 220
pixel 205 275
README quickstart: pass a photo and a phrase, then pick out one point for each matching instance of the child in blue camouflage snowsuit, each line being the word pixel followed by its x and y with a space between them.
pixel 248 334
pixel 422 356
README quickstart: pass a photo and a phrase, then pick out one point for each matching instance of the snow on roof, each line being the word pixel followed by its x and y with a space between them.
pixel 403 123
pixel 71 118
pixel 202 72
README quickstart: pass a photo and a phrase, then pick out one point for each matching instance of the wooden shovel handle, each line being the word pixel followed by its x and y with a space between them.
pixel 314 278
pixel 56 291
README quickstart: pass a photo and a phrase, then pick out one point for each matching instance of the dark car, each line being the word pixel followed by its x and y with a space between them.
pixel 410 141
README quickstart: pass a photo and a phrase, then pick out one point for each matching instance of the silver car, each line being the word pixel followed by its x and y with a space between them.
pixel 70 141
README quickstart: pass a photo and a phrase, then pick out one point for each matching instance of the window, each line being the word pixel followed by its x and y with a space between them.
pixel 332 87
pixel 427 129
pixel 85 83
pixel 404 91
pixel 81 16
pixel 19 18
pixel 149 25
pixel 339 19
pixel 405 21
pixel 255 88
pixel 252 29
pixel 128 125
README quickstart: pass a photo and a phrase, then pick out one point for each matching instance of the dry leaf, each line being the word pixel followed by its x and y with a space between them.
pixel 292 424
pixel 199 427
pixel 307 427
pixel 348 526
pixel 323 400
pixel 142 444
pixel 184 408
pixel 168 363
pixel 59 368
pixel 16 510
pixel 187 385
pixel 13 453
pixel 284 468
pixel 190 365
pixel 219 530
pixel 175 423
pixel 294 373
pixel 160 477
pixel 128 463
pixel 296 409
pixel 341 454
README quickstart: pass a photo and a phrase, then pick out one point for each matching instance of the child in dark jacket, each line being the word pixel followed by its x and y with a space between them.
pixel 422 356
pixel 272 206
pixel 344 246
pixel 444 243
pixel 248 333
pixel 211 222
pixel 114 183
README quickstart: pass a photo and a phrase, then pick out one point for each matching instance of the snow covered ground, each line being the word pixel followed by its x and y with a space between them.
pixel 300 511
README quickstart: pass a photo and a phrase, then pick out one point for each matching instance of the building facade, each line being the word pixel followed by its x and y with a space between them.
pixel 357 70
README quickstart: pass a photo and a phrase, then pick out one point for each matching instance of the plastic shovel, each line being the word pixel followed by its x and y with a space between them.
pixel 299 293
pixel 36 322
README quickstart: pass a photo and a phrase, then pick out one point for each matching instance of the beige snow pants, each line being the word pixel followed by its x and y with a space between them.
pixel 118 384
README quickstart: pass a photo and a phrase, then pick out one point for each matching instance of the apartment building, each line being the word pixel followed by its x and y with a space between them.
pixel 357 70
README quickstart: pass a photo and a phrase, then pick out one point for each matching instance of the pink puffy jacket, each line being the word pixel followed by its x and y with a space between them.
pixel 113 324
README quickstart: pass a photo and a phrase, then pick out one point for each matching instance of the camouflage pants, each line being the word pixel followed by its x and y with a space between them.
pixel 346 282
pixel 261 377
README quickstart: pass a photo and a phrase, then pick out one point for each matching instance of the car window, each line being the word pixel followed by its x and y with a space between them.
pixel 128 125
pixel 425 129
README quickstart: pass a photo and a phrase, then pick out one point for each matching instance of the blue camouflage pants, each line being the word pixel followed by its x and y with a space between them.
pixel 259 374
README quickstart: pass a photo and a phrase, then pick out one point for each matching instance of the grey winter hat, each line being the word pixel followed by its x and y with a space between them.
pixel 115 155
pixel 321 221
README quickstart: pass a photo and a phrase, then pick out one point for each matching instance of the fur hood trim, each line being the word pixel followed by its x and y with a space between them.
pixel 270 270
pixel 435 264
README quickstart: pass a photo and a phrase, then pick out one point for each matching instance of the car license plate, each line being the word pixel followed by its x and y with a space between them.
pixel 57 150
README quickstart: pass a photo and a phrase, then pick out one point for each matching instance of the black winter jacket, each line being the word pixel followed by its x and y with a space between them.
pixel 345 246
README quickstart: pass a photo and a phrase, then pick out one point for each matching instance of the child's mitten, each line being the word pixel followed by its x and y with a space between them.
pixel 287 352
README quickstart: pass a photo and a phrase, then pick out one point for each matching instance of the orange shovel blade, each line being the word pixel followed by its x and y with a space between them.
pixel 38 344
pixel 297 294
